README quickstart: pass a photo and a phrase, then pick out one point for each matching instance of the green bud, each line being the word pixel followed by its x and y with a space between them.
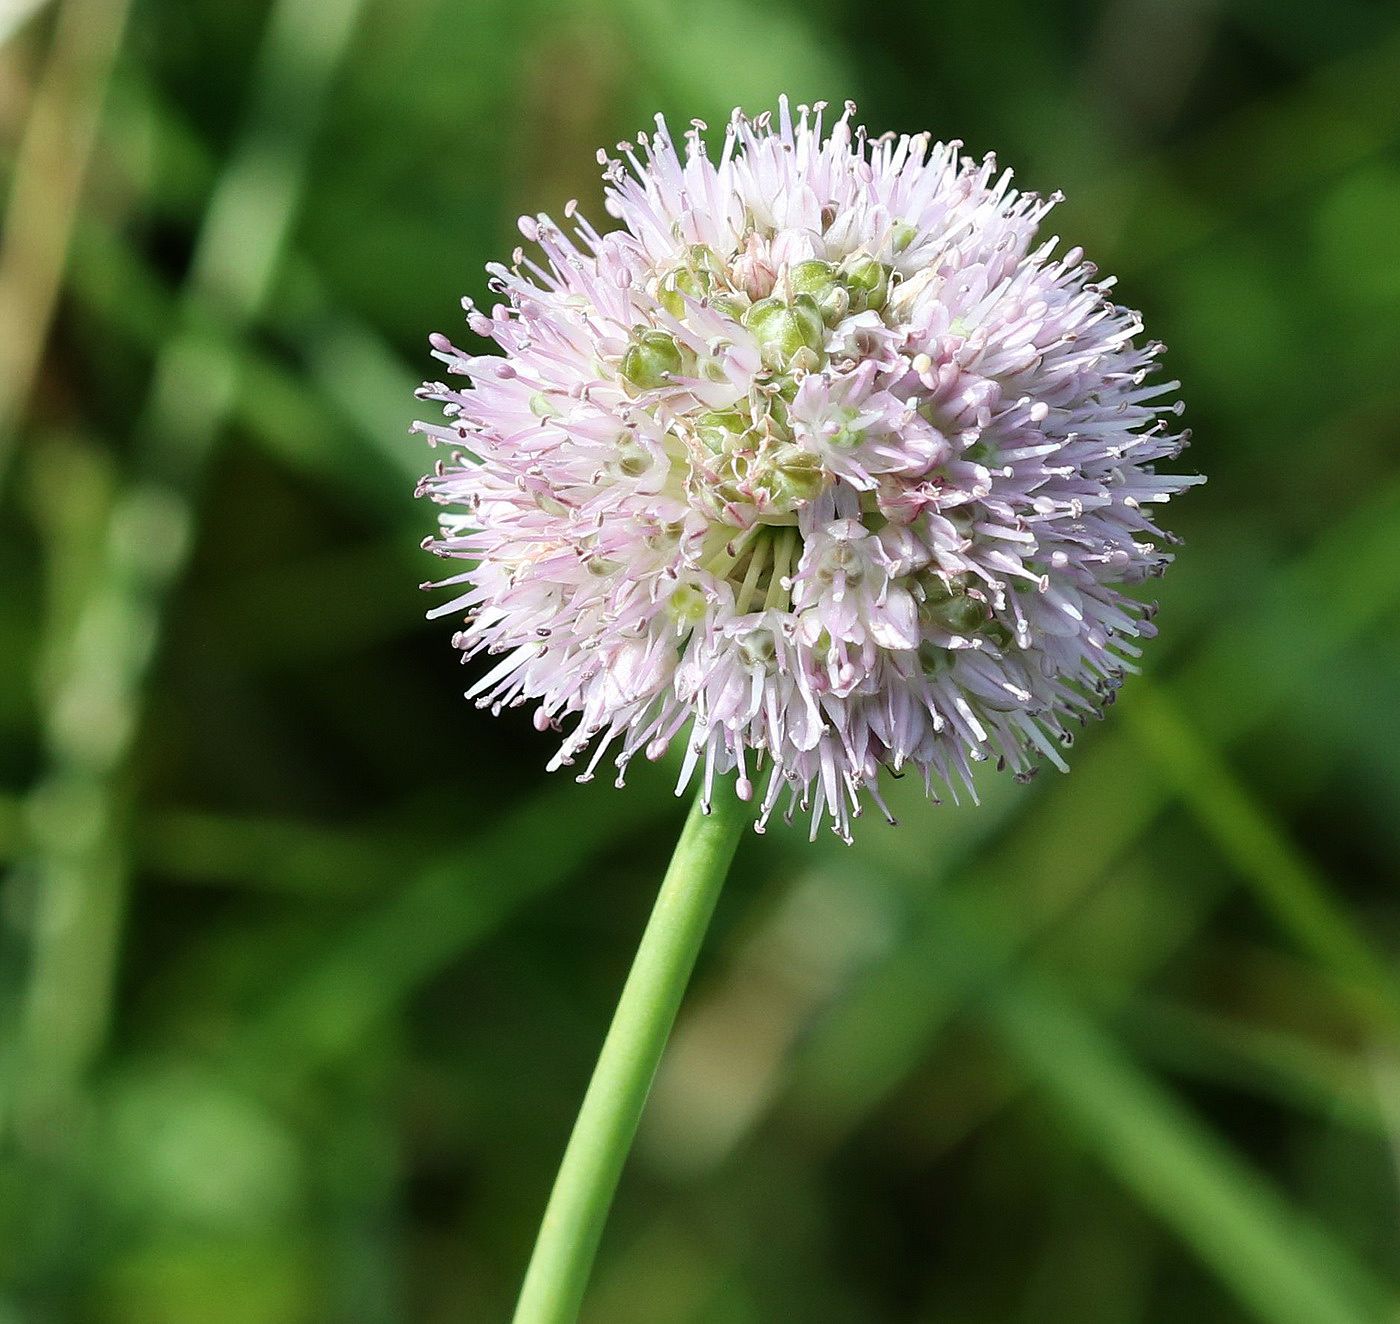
pixel 867 280
pixel 786 392
pixel 960 517
pixel 835 305
pixel 632 459
pixel 686 604
pixel 814 277
pixel 788 335
pixel 682 282
pixel 997 635
pixel 668 297
pixel 846 437
pixel 733 305
pixel 901 235
pixel 959 615
pixel 779 413
pixel 935 590
pixel 717 429
pixel 758 648
pixel 797 477
pixel 705 261
pixel 725 487
pixel 862 272
pixel 818 280
pixel 651 360
pixel 933 659
pixel 541 406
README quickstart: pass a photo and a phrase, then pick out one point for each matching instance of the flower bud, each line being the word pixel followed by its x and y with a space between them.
pixel 961 518
pixel 796 476
pixel 758 649
pixel 960 614
pixel 780 412
pixel 732 304
pixel 717 429
pixel 682 282
pixel 867 280
pixel 712 368
pixel 818 280
pixel 686 605
pixel 651 360
pixel 704 261
pixel 997 635
pixel 752 270
pixel 632 459
pixel 847 437
pixel 814 277
pixel 788 335
pixel 933 659
pixel 835 304
pixel 935 591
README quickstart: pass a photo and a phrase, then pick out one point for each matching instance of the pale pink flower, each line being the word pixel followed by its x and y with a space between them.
pixel 821 463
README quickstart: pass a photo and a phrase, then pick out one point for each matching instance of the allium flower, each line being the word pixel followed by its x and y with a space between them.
pixel 823 456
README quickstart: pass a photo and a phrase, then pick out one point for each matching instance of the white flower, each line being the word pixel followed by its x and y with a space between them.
pixel 817 460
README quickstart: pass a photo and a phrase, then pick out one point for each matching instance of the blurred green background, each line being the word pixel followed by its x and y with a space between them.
pixel 304 961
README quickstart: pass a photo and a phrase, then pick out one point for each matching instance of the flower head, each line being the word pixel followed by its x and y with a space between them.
pixel 822 459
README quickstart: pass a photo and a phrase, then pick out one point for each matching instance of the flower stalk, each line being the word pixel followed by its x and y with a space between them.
pixel 612 1106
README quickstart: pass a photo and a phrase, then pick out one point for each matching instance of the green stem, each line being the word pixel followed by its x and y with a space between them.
pixel 612 1107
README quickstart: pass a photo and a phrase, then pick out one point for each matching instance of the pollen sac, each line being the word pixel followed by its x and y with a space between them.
pixel 789 335
pixel 652 360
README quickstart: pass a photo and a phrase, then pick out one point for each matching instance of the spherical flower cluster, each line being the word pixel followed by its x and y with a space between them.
pixel 821 456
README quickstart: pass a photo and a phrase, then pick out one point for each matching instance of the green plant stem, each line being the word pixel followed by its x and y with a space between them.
pixel 612 1107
